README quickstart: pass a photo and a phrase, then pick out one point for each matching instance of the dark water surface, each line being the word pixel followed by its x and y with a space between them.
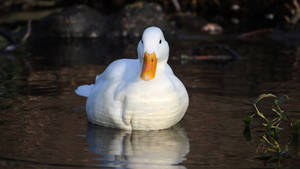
pixel 45 126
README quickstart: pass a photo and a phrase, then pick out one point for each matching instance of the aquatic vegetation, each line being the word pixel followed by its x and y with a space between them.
pixel 3 43
pixel 271 146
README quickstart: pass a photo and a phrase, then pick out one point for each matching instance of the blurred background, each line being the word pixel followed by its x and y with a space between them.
pixel 230 16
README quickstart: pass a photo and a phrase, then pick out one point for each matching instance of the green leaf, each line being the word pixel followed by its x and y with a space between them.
pixel 294 127
pixel 262 96
pixel 275 121
pixel 275 109
pixel 284 116
pixel 276 145
pixel 260 114
pixel 274 133
pixel 266 140
pixel 248 119
pixel 268 127
pixel 280 99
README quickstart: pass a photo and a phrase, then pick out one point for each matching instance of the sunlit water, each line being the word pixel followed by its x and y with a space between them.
pixel 45 125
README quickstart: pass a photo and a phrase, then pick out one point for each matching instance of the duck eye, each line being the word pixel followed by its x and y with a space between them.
pixel 159 41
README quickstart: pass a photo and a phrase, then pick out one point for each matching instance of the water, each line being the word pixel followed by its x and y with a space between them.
pixel 44 124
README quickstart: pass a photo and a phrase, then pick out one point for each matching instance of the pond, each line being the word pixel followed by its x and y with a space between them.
pixel 44 124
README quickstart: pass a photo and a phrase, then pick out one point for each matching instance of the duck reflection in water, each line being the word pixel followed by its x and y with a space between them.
pixel 138 149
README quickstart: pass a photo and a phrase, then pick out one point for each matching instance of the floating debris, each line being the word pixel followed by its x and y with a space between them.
pixel 256 34
pixel 214 53
pixel 212 29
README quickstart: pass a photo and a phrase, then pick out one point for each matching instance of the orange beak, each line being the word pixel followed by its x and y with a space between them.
pixel 149 66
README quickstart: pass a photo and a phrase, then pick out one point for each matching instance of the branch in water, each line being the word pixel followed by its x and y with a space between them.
pixel 26 36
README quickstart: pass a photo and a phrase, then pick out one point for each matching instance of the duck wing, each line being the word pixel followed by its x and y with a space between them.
pixel 114 72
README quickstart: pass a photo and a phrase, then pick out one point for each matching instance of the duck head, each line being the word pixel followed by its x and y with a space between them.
pixel 153 50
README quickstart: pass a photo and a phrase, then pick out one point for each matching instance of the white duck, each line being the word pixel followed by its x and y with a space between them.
pixel 138 94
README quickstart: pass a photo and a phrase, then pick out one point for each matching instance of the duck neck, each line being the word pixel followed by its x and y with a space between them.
pixel 161 66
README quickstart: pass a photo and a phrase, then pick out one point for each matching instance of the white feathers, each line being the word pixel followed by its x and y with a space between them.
pixel 120 98
pixel 84 90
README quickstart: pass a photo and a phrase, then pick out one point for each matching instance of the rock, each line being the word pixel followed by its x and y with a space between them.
pixel 136 17
pixel 190 22
pixel 107 7
pixel 83 21
pixel 74 22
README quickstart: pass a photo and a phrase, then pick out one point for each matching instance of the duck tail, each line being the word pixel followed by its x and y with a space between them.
pixel 84 90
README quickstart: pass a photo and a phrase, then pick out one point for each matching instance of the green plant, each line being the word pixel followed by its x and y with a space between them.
pixel 270 145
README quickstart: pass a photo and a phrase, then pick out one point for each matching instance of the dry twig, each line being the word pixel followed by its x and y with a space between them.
pixel 294 11
pixel 177 5
pixel 26 36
